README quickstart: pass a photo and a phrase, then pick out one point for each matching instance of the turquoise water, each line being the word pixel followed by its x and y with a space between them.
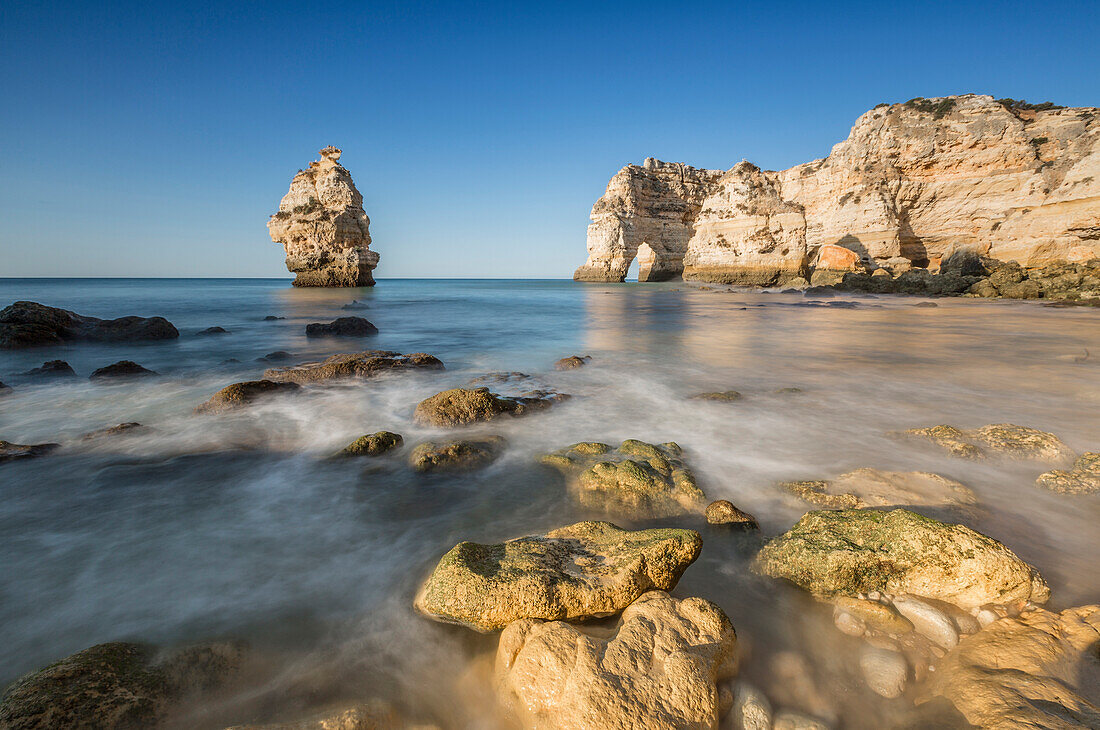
pixel 236 526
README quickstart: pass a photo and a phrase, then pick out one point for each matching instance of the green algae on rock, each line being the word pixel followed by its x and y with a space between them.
pixel 586 570
pixel 722 396
pixel 878 488
pixel 724 513
pixel 1083 478
pixel 456 456
pixel 848 552
pixel 11 452
pixel 116 685
pixel 353 365
pixel 1018 442
pixel 374 444
pixel 461 406
pixel 240 395
pixel 637 480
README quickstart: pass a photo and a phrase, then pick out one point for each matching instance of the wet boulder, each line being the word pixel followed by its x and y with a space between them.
pixel 572 362
pixel 659 667
pixel 586 570
pixel 1082 478
pixel 29 324
pixel 853 551
pixel 13 452
pixel 277 356
pixel 637 480
pixel 456 456
pixel 342 327
pixel 462 406
pixel 880 488
pixel 118 685
pixel 123 369
pixel 1038 670
pixel 52 369
pixel 353 365
pixel 374 444
pixel 239 395
pixel 1008 439
pixel 724 513
pixel 212 331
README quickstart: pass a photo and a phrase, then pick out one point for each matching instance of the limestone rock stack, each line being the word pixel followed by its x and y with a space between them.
pixel 323 227
pixel 912 183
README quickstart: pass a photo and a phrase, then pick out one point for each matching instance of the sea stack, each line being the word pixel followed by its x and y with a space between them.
pixel 912 183
pixel 323 227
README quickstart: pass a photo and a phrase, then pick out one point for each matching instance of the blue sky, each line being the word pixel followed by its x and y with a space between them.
pixel 154 139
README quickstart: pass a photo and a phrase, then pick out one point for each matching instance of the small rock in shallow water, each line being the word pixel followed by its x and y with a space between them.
pixel 724 396
pixel 723 512
pixel 121 369
pixel 572 362
pixel 885 671
pixel 5 389
pixel 342 327
pixel 12 452
pixel 239 395
pixel 848 624
pixel 1018 442
pixel 354 365
pixel 1083 478
pixel 456 456
pixel 928 620
pixel 461 406
pixel 277 356
pixel 751 709
pixel 880 488
pixel 272 318
pixel 122 428
pixel 53 369
pixel 585 570
pixel 213 331
pixel 374 444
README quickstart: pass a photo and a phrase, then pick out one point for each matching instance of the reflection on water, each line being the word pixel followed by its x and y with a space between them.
pixel 238 526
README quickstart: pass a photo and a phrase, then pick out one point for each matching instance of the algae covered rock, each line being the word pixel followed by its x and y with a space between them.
pixel 1038 670
pixel 458 455
pixel 1018 442
pixel 1083 478
pixel 353 365
pixel 374 444
pixel 572 362
pixel 461 406
pixel 12 452
pixel 128 428
pixel 722 396
pixel 657 668
pixel 879 488
pixel 586 570
pixel 243 394
pixel 637 480
pixel 116 685
pixel 848 552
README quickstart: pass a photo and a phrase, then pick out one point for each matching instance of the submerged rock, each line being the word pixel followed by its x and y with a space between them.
pixel 212 331
pixel 374 444
pixel 1018 442
pixel 5 390
pixel 239 395
pixel 11 452
pixel 723 512
pixel 122 428
pixel 342 327
pixel 657 668
pixel 353 365
pixel 878 488
pixel 586 570
pixel 52 369
pixel 461 406
pixel 29 324
pixel 848 552
pixel 1083 478
pixel 572 362
pixel 455 456
pixel 725 396
pixel 121 369
pixel 277 356
pixel 117 685
pixel 1039 670
pixel 323 227
pixel 637 480
pixel 373 715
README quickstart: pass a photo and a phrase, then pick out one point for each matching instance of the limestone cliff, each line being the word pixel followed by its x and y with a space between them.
pixel 912 183
pixel 323 227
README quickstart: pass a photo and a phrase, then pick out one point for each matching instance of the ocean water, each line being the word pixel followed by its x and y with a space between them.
pixel 237 526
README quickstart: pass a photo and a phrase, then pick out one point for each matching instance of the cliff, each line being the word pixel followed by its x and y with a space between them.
pixel 323 227
pixel 912 183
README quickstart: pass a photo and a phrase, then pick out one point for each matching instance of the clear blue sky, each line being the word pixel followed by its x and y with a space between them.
pixel 154 139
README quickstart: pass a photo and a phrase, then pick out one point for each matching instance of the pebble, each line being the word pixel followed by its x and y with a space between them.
pixel 928 621
pixel 848 623
pixel 788 720
pixel 751 709
pixel 885 671
pixel 967 624
pixel 986 616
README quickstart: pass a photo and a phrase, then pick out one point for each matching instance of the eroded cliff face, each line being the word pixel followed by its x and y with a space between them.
pixel 912 182
pixel 323 227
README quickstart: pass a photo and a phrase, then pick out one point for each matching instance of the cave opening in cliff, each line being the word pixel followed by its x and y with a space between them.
pixel 643 263
pixel 632 272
